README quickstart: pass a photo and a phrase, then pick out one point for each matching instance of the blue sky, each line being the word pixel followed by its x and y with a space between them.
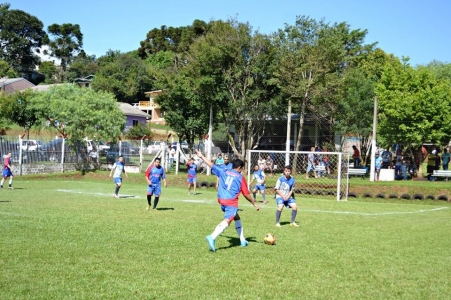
pixel 418 29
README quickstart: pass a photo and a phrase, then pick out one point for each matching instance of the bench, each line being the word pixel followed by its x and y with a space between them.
pixel 357 172
pixel 442 173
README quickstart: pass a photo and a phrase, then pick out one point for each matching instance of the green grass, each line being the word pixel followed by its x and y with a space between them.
pixel 68 238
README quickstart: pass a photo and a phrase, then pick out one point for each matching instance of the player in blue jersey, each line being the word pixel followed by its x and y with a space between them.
pixel 259 177
pixel 228 165
pixel 6 172
pixel 231 184
pixel 192 175
pixel 118 168
pixel 154 175
pixel 284 196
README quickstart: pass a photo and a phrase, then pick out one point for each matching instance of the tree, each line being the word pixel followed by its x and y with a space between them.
pixel 414 106
pixel 124 75
pixel 228 69
pixel 18 109
pixel 82 65
pixel 49 69
pixel 21 35
pixel 173 39
pixel 80 112
pixel 67 42
pixel 313 56
pixel 6 70
pixel 440 69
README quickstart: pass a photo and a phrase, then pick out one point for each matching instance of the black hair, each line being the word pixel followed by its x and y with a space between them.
pixel 287 167
pixel 237 163
pixel 157 158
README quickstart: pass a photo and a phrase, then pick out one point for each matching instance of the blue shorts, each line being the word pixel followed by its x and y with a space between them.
pixel 259 187
pixel 7 173
pixel 154 189
pixel 117 180
pixel 191 180
pixel 287 203
pixel 229 212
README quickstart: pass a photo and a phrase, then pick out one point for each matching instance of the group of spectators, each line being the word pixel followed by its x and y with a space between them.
pixel 435 161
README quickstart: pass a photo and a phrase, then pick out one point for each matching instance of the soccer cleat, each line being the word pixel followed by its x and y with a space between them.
pixel 264 202
pixel 116 196
pixel 194 193
pixel 189 193
pixel 211 242
pixel 147 207
pixel 294 224
pixel 277 224
pixel 244 243
pixel 11 188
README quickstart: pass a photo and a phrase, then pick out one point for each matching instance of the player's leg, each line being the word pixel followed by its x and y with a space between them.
pixel 239 230
pixel 149 197
pixel 157 196
pixel 279 210
pixel 189 185
pixel 254 193
pixel 194 184
pixel 118 182
pixel 262 192
pixel 294 211
pixel 3 180
pixel 229 215
pixel 10 181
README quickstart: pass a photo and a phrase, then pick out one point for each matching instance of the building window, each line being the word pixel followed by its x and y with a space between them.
pixel 135 123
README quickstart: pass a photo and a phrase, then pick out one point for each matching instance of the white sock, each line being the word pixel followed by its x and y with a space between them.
pixel 10 181
pixel 239 230
pixel 3 181
pixel 219 229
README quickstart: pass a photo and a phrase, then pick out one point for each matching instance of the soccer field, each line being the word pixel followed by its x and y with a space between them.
pixel 73 240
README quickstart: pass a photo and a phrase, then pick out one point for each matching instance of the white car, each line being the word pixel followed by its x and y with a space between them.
pixel 30 145
pixel 153 147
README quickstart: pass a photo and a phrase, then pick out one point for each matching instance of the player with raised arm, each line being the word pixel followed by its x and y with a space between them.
pixel 231 184
pixel 154 175
pixel 7 171
pixel 259 177
pixel 284 196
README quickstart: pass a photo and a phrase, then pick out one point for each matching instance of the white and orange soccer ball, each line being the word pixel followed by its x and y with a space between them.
pixel 269 239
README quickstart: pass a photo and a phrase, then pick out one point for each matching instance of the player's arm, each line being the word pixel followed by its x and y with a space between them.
pixel 123 171
pixel 147 174
pixel 206 160
pixel 163 176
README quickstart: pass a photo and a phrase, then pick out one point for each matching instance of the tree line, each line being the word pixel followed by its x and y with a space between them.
pixel 325 72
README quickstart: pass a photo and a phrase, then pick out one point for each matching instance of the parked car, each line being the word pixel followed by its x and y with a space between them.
pixel 153 147
pixel 30 145
pixel 126 147
pixel 27 156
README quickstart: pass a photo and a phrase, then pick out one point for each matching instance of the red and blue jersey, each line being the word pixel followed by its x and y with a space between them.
pixel 192 170
pixel 155 174
pixel 6 163
pixel 231 184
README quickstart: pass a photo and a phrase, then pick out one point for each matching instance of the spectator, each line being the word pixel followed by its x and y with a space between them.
pixel 219 160
pixel 171 155
pixel 386 159
pixel 378 165
pixel 431 165
pixel 445 159
pixel 261 163
pixel 269 164
pixel 356 157
pixel 311 163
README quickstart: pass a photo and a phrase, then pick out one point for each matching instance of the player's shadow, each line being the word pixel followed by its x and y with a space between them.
pixel 164 208
pixel 234 241
pixel 5 201
pixel 126 196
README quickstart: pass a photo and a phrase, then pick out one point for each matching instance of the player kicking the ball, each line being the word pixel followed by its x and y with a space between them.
pixel 284 196
pixel 231 184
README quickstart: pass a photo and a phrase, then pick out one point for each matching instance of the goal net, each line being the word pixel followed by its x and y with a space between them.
pixel 327 174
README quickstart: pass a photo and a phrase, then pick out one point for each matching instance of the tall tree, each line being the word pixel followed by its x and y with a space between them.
pixel 21 37
pixel 123 74
pixel 229 69
pixel 66 43
pixel 174 39
pixel 82 65
pixel 49 69
pixel 313 55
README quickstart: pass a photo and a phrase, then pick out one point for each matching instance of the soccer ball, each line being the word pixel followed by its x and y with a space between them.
pixel 269 239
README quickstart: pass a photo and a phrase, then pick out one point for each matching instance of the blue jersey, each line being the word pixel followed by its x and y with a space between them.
pixel 155 174
pixel 258 176
pixel 192 170
pixel 284 185
pixel 231 184
pixel 228 166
